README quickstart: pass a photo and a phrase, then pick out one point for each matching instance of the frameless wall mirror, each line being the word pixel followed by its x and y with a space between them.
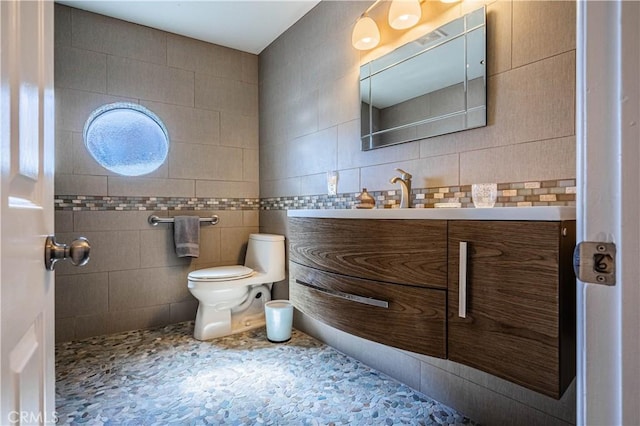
pixel 431 86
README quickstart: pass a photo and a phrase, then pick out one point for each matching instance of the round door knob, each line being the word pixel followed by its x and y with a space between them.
pixel 77 252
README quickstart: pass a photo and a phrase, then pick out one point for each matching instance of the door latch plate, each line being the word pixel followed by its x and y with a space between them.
pixel 595 262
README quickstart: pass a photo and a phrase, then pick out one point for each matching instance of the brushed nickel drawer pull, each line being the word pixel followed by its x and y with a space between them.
pixel 462 281
pixel 352 297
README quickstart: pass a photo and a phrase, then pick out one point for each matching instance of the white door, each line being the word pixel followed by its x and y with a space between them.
pixel 26 212
pixel 608 175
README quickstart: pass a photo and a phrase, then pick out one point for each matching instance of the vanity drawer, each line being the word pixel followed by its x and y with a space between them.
pixel 405 317
pixel 410 252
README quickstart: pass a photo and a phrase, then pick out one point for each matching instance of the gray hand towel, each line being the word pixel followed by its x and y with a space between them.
pixel 186 235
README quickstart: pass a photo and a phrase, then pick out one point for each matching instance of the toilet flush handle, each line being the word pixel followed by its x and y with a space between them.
pixel 77 252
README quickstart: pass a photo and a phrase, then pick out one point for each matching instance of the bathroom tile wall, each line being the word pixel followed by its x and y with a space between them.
pixel 207 96
pixel 309 124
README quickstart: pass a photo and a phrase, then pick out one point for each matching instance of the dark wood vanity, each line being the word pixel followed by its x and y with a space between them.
pixel 398 282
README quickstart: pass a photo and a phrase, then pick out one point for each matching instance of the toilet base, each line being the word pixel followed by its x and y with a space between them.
pixel 212 322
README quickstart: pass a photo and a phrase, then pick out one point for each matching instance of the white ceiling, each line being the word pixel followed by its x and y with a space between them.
pixel 247 25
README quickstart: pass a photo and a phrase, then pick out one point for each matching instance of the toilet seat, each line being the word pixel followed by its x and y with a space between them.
pixel 221 273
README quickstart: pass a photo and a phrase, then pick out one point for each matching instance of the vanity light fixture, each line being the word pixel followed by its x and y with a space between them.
pixel 404 14
pixel 365 34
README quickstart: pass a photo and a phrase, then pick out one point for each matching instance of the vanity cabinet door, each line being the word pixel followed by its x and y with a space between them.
pixel 519 322
pixel 410 252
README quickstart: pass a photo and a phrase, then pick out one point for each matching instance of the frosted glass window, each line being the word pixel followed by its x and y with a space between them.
pixel 127 139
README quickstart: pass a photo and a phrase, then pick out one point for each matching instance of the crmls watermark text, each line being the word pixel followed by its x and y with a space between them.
pixel 31 417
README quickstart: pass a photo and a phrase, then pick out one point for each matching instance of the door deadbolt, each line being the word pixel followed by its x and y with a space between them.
pixel 77 252
pixel 595 262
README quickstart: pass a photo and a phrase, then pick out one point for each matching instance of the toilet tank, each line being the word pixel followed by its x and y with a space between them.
pixel 265 253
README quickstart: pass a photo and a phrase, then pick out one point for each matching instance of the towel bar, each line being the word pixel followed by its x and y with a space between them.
pixel 155 220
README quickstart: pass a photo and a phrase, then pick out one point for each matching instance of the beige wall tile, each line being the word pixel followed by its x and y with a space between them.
pixel 64 152
pixel 542 30
pixel 85 164
pixel 191 161
pixel 249 68
pixel 111 221
pixel 250 165
pixel 234 241
pixel 80 69
pixel 63 221
pixel 274 222
pixel 206 58
pixel 73 107
pixel 239 130
pixel 251 218
pixel 313 184
pixel 544 160
pixel 183 311
pixel 81 294
pixel 426 172
pixel 157 248
pixel 339 101
pixel 150 187
pixel 130 77
pixel 139 318
pixel 65 329
pixel 302 117
pixel 91 325
pixel 86 185
pixel 186 124
pixel 216 189
pixel 147 287
pixel 273 162
pixel 330 60
pixel 210 246
pixel 108 35
pixel 110 251
pixel 349 181
pixel 314 153
pixel 350 152
pixel 226 95
pixel 499 27
pixel 279 187
pixel 62 28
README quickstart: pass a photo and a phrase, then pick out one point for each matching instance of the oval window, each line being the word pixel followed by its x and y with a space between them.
pixel 126 138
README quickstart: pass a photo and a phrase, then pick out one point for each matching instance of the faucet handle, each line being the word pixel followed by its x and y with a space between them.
pixel 405 175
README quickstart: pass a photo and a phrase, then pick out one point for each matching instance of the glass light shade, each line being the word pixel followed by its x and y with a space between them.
pixel 404 14
pixel 365 34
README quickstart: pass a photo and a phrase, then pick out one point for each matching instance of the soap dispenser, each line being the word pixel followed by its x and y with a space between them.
pixel 365 201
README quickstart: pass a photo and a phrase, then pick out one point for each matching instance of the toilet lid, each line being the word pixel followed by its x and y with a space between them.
pixel 220 273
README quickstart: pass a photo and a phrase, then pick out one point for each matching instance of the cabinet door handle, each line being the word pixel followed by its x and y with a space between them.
pixel 352 297
pixel 462 281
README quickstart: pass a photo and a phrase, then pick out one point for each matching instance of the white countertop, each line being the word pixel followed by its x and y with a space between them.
pixel 496 213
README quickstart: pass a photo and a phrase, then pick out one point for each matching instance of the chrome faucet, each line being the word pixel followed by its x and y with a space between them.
pixel 405 185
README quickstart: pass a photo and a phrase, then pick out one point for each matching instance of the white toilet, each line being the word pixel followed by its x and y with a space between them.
pixel 232 298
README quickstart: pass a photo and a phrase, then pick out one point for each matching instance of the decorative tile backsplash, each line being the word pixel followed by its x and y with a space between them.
pixel 520 194
pixel 87 202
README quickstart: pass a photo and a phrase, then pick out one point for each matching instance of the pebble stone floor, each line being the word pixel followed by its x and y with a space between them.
pixel 166 377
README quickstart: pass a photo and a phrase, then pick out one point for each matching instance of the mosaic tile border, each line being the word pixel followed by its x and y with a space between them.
pixel 97 203
pixel 518 194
